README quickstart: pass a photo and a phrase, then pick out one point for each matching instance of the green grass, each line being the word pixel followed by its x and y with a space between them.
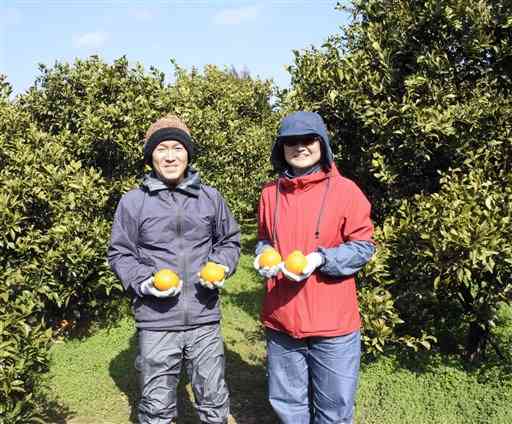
pixel 433 389
pixel 93 379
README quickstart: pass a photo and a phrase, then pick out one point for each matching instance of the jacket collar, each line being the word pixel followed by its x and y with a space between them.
pixel 190 185
pixel 288 172
pixel 305 181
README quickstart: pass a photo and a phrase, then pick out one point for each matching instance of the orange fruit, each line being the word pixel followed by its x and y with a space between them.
pixel 165 279
pixel 269 258
pixel 296 262
pixel 212 272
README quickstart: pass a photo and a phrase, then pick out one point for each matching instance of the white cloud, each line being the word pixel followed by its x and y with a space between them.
pixel 235 16
pixel 90 39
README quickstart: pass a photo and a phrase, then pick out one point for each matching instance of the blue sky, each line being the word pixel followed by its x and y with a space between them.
pixel 258 35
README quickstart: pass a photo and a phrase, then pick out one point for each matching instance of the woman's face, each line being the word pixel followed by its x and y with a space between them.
pixel 301 153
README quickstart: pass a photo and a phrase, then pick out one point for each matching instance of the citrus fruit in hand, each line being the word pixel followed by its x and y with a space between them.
pixel 269 258
pixel 166 279
pixel 296 262
pixel 212 272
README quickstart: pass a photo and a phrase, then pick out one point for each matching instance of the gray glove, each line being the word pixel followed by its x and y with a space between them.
pixel 266 272
pixel 147 288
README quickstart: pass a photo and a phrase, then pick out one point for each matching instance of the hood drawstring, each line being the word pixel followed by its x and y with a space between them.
pixel 317 231
pixel 274 227
pixel 318 220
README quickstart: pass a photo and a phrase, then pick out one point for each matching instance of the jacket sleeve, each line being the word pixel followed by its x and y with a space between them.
pixel 358 246
pixel 347 258
pixel 123 255
pixel 261 245
pixel 226 238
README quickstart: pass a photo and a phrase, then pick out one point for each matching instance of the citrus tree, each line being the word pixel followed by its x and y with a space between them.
pixel 415 94
pixel 104 111
pixel 69 148
pixel 74 147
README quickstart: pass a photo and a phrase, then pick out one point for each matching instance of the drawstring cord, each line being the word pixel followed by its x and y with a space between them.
pixel 274 227
pixel 320 213
pixel 317 231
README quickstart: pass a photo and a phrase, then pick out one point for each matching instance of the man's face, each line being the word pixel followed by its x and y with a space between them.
pixel 170 160
pixel 301 153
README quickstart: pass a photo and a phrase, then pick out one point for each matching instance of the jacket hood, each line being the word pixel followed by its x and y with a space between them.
pixel 190 184
pixel 300 124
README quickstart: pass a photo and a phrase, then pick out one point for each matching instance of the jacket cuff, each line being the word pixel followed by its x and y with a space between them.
pixel 261 246
pixel 149 271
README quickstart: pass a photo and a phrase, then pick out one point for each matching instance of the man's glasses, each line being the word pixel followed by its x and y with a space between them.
pixel 295 141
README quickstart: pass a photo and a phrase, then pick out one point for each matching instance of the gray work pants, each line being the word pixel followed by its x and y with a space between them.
pixel 161 354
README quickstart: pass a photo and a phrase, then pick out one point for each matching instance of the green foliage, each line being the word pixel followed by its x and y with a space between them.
pixel 69 148
pixel 456 245
pixel 24 344
pixel 52 216
pixel 104 111
pixel 234 124
pixel 380 316
pixel 417 96
pixel 407 89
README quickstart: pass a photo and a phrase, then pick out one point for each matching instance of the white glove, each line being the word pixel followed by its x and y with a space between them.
pixel 147 288
pixel 267 271
pixel 314 260
pixel 291 276
pixel 214 284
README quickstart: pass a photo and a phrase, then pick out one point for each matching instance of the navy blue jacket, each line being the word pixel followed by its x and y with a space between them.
pixel 181 229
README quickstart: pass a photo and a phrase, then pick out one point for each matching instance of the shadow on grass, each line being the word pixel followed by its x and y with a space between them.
pixel 53 411
pixel 246 382
pixel 248 300
pixel 249 239
pixel 122 370
pixel 248 387
pixel 107 316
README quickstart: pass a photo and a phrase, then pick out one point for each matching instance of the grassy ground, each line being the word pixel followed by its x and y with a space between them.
pixel 93 379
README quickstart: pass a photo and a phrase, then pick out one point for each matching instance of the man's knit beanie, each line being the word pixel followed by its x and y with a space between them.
pixel 170 127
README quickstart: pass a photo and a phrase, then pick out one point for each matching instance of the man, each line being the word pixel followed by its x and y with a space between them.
pixel 174 221
pixel 312 320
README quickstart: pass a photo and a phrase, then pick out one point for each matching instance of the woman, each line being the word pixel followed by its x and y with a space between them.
pixel 312 319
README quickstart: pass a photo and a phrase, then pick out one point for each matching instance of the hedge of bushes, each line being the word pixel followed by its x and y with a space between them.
pixel 69 147
pixel 417 97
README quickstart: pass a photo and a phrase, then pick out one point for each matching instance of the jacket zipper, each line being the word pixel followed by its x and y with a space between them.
pixel 182 260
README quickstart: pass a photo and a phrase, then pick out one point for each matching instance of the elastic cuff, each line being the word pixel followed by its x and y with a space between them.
pixel 261 246
pixel 320 250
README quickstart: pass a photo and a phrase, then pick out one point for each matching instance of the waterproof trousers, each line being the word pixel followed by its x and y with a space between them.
pixel 159 362
pixel 313 380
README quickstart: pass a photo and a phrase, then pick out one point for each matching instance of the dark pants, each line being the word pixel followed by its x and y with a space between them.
pixel 313 380
pixel 161 355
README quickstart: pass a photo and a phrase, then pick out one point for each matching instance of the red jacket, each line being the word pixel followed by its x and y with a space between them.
pixel 320 305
